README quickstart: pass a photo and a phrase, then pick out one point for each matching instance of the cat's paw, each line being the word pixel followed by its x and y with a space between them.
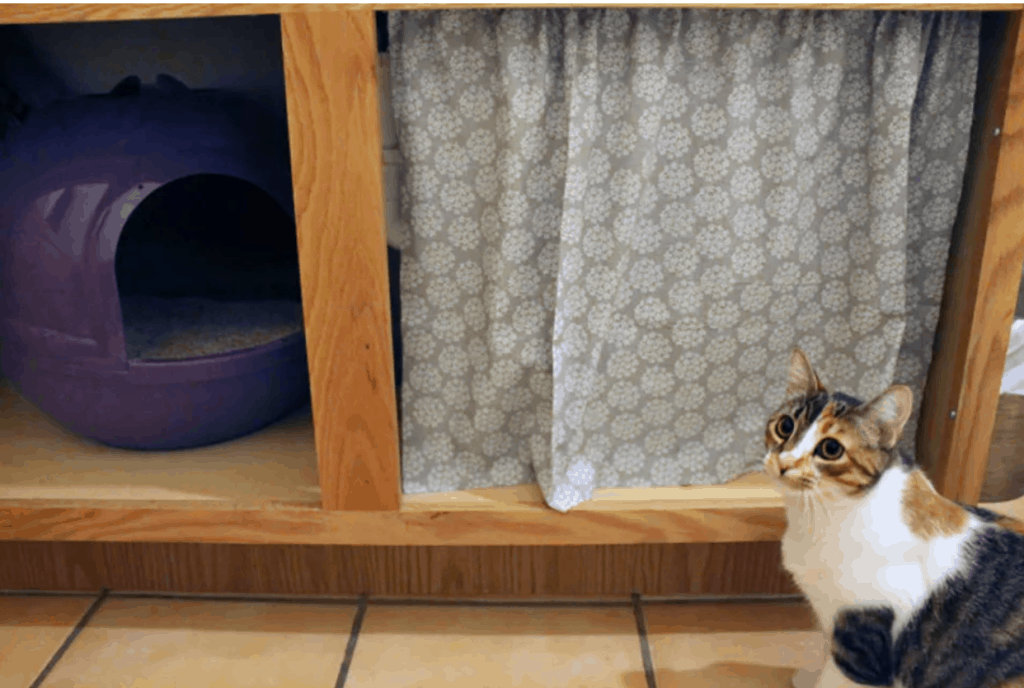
pixel 804 678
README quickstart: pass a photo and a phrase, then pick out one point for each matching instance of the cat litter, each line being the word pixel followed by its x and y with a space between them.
pixel 163 329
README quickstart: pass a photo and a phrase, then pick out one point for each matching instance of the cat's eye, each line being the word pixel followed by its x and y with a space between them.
pixel 829 449
pixel 784 428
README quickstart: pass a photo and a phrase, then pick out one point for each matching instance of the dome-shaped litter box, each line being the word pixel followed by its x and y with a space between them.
pixel 150 289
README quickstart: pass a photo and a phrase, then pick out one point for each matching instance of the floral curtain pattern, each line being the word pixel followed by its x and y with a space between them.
pixel 615 224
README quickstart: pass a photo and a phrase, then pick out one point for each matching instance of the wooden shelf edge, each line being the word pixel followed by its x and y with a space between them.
pixel 316 527
pixel 753 490
pixel 744 511
pixel 91 12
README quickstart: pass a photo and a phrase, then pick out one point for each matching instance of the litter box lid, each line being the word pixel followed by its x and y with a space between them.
pixel 76 171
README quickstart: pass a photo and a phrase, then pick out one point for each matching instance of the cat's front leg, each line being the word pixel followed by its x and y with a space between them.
pixel 805 678
pixel 832 677
pixel 828 676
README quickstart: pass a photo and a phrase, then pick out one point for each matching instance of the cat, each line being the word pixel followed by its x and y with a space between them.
pixel 888 564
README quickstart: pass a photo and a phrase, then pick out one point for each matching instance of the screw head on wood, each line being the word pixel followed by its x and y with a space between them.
pixel 952 415
pixel 997 131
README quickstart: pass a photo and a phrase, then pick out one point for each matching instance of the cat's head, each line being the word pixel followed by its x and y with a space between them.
pixel 830 442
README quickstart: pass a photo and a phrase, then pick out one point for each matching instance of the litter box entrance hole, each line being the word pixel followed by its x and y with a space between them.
pixel 207 264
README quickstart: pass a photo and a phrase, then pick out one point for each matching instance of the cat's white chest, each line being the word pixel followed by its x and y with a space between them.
pixel 860 553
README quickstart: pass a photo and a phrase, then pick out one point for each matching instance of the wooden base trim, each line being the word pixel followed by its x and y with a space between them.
pixel 593 571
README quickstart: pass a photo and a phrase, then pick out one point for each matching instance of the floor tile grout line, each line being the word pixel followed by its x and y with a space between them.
pixel 238 597
pixel 82 622
pixel 382 601
pixel 645 647
pixel 470 602
pixel 353 638
pixel 725 599
pixel 415 601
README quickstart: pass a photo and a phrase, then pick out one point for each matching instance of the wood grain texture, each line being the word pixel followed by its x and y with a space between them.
pixel 87 12
pixel 741 512
pixel 453 572
pixel 334 129
pixel 596 570
pixel 983 276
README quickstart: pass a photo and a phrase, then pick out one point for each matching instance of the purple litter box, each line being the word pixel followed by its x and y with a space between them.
pixel 150 290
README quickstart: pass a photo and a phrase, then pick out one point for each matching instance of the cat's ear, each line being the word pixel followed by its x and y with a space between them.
pixel 889 412
pixel 803 381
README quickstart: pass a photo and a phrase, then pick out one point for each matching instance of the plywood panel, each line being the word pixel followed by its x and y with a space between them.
pixel 962 392
pixel 334 130
pixel 455 572
pixel 1004 478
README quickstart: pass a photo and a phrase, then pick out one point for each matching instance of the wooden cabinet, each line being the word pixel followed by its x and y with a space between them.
pixel 332 476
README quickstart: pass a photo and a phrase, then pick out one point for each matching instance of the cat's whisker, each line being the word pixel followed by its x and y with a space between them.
pixel 821 502
pixel 808 510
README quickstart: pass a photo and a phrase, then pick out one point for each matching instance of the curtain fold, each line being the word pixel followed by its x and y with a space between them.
pixel 615 224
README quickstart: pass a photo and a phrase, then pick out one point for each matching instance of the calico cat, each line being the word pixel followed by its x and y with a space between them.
pixel 969 633
pixel 917 590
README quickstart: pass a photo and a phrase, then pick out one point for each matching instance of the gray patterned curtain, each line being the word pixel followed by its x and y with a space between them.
pixel 615 224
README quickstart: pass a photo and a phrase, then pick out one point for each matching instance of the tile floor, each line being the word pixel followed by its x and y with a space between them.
pixel 147 641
